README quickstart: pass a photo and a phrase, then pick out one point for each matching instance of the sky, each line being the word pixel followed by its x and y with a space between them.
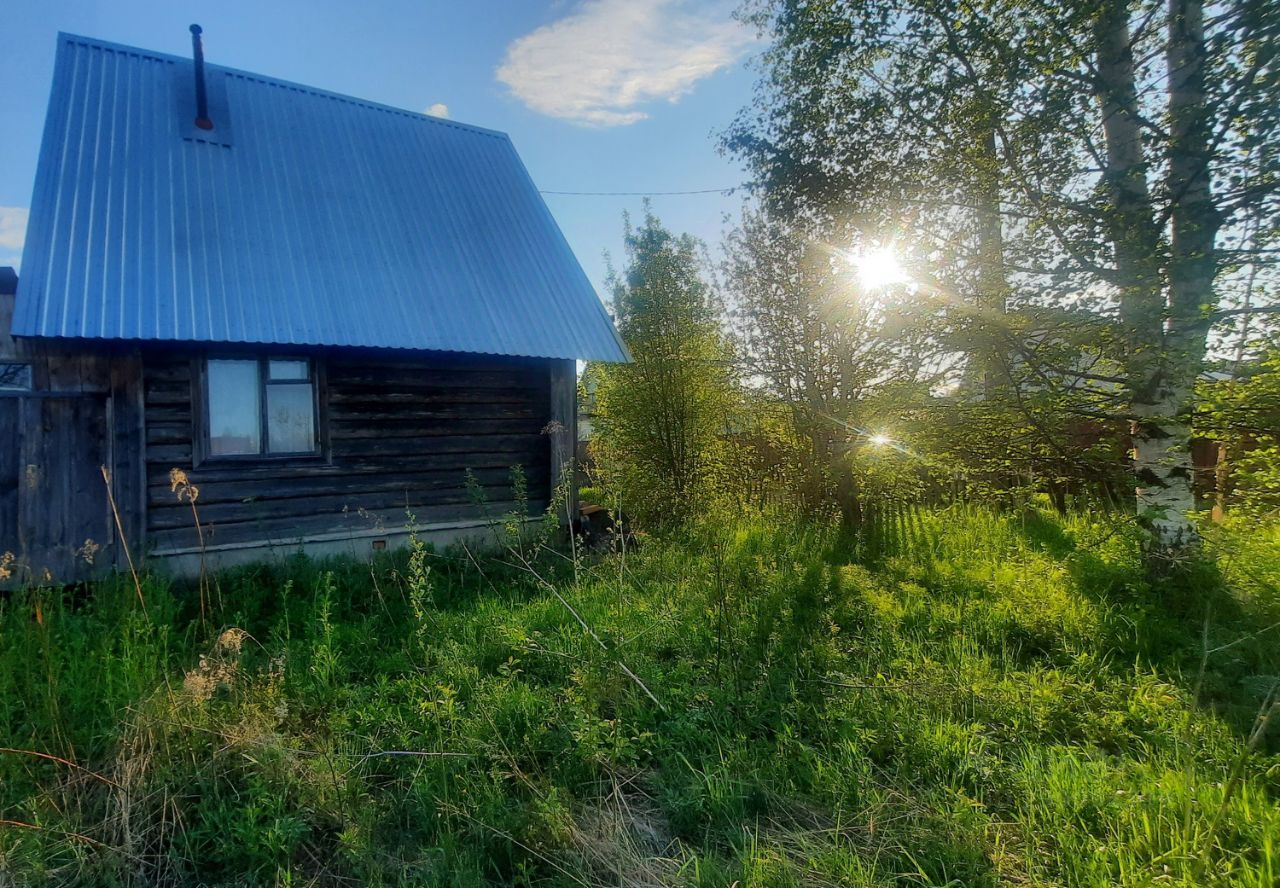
pixel 597 95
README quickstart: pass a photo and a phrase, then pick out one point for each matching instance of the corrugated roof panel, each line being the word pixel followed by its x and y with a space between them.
pixel 309 218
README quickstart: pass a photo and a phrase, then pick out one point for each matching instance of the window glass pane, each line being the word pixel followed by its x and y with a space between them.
pixel 234 412
pixel 291 418
pixel 288 369
pixel 15 377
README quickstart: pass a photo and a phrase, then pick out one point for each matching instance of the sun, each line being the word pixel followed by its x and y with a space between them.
pixel 878 268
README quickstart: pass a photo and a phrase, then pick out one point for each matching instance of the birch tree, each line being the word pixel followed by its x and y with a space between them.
pixel 1103 156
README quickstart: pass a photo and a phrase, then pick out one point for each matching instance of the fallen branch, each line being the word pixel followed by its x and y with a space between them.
pixel 79 837
pixel 124 542
pixel 526 566
pixel 54 758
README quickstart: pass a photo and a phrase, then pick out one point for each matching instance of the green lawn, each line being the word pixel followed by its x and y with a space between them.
pixel 959 698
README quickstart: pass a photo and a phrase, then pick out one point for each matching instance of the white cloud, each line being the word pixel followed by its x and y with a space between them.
pixel 13 227
pixel 602 62
pixel 439 109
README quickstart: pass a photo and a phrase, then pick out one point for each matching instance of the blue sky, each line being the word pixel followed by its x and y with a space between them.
pixel 598 95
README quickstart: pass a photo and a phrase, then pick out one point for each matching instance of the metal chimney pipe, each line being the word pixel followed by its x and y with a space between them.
pixel 202 101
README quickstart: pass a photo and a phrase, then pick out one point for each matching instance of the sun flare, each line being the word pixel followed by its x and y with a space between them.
pixel 878 268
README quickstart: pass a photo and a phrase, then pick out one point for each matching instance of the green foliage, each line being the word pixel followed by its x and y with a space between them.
pixel 827 361
pixel 1073 189
pixel 947 697
pixel 1244 415
pixel 659 420
pixel 1005 453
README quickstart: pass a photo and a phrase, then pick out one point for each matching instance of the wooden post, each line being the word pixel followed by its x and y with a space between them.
pixel 563 429
pixel 128 452
pixel 1221 479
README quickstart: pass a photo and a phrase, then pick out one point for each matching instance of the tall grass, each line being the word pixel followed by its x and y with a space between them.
pixel 953 697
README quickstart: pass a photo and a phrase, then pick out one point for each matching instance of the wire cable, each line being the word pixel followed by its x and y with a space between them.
pixel 729 190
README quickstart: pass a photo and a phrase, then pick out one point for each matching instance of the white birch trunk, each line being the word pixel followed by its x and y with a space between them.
pixel 1194 222
pixel 1166 324
pixel 1162 466
pixel 993 286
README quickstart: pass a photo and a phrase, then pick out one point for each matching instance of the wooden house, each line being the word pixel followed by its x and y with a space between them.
pixel 326 312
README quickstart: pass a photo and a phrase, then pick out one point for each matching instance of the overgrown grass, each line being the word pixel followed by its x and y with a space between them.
pixel 959 698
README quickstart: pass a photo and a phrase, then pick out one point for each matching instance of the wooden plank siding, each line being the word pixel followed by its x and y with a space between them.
pixel 63 511
pixel 10 473
pixel 563 432
pixel 400 435
pixel 54 442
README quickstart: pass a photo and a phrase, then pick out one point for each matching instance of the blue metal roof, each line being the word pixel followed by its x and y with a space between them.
pixel 304 218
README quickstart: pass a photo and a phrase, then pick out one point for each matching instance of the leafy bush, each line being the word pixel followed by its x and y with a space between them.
pixel 1243 415
pixel 659 420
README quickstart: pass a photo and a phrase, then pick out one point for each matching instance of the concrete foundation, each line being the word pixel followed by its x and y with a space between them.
pixel 359 544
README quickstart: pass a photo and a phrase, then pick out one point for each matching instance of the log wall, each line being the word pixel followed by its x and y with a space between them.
pixel 399 436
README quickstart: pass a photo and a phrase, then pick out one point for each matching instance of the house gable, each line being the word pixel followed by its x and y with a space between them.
pixel 307 219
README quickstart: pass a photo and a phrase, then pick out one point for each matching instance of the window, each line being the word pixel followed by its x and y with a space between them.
pixel 15 377
pixel 260 407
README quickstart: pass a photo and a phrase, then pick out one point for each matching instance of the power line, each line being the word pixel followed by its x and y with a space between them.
pixel 729 190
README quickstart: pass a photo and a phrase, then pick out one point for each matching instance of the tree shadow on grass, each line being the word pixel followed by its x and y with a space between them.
pixel 1046 534
pixel 1166 616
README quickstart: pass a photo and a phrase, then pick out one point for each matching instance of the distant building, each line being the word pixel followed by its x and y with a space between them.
pixel 325 311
